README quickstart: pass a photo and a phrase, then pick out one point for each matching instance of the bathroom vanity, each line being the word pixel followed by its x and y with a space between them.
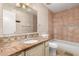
pixel 41 49
pixel 19 48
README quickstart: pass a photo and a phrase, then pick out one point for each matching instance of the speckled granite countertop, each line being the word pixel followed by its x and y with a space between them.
pixel 10 48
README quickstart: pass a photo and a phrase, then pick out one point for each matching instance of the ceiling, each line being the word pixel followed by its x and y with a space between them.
pixel 57 7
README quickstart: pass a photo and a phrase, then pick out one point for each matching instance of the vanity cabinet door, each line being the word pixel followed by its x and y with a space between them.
pixel 46 49
pixel 36 51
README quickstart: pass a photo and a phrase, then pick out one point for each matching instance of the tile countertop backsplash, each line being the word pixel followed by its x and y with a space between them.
pixel 3 35
pixel 13 37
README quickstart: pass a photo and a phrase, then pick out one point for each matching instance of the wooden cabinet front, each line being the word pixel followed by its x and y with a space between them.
pixel 36 51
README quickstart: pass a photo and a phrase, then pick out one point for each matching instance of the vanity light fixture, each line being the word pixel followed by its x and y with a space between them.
pixel 22 5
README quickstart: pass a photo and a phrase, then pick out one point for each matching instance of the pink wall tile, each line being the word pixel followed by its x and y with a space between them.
pixel 66 25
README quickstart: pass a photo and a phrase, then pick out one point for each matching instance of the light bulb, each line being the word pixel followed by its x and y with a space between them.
pixel 23 6
pixel 18 5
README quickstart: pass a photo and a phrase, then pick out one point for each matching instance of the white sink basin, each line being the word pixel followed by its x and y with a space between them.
pixel 30 41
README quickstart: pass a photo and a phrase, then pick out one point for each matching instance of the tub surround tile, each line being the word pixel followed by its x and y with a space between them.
pixel 66 25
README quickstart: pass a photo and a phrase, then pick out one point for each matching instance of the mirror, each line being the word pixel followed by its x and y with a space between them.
pixel 20 19
pixel 9 22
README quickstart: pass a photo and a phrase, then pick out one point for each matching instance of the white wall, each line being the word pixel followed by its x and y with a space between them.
pixel 1 19
pixel 42 17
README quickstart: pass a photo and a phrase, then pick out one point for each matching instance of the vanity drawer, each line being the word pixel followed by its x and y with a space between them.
pixel 18 54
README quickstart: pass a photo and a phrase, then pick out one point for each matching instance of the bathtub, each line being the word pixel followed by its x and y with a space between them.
pixel 67 46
